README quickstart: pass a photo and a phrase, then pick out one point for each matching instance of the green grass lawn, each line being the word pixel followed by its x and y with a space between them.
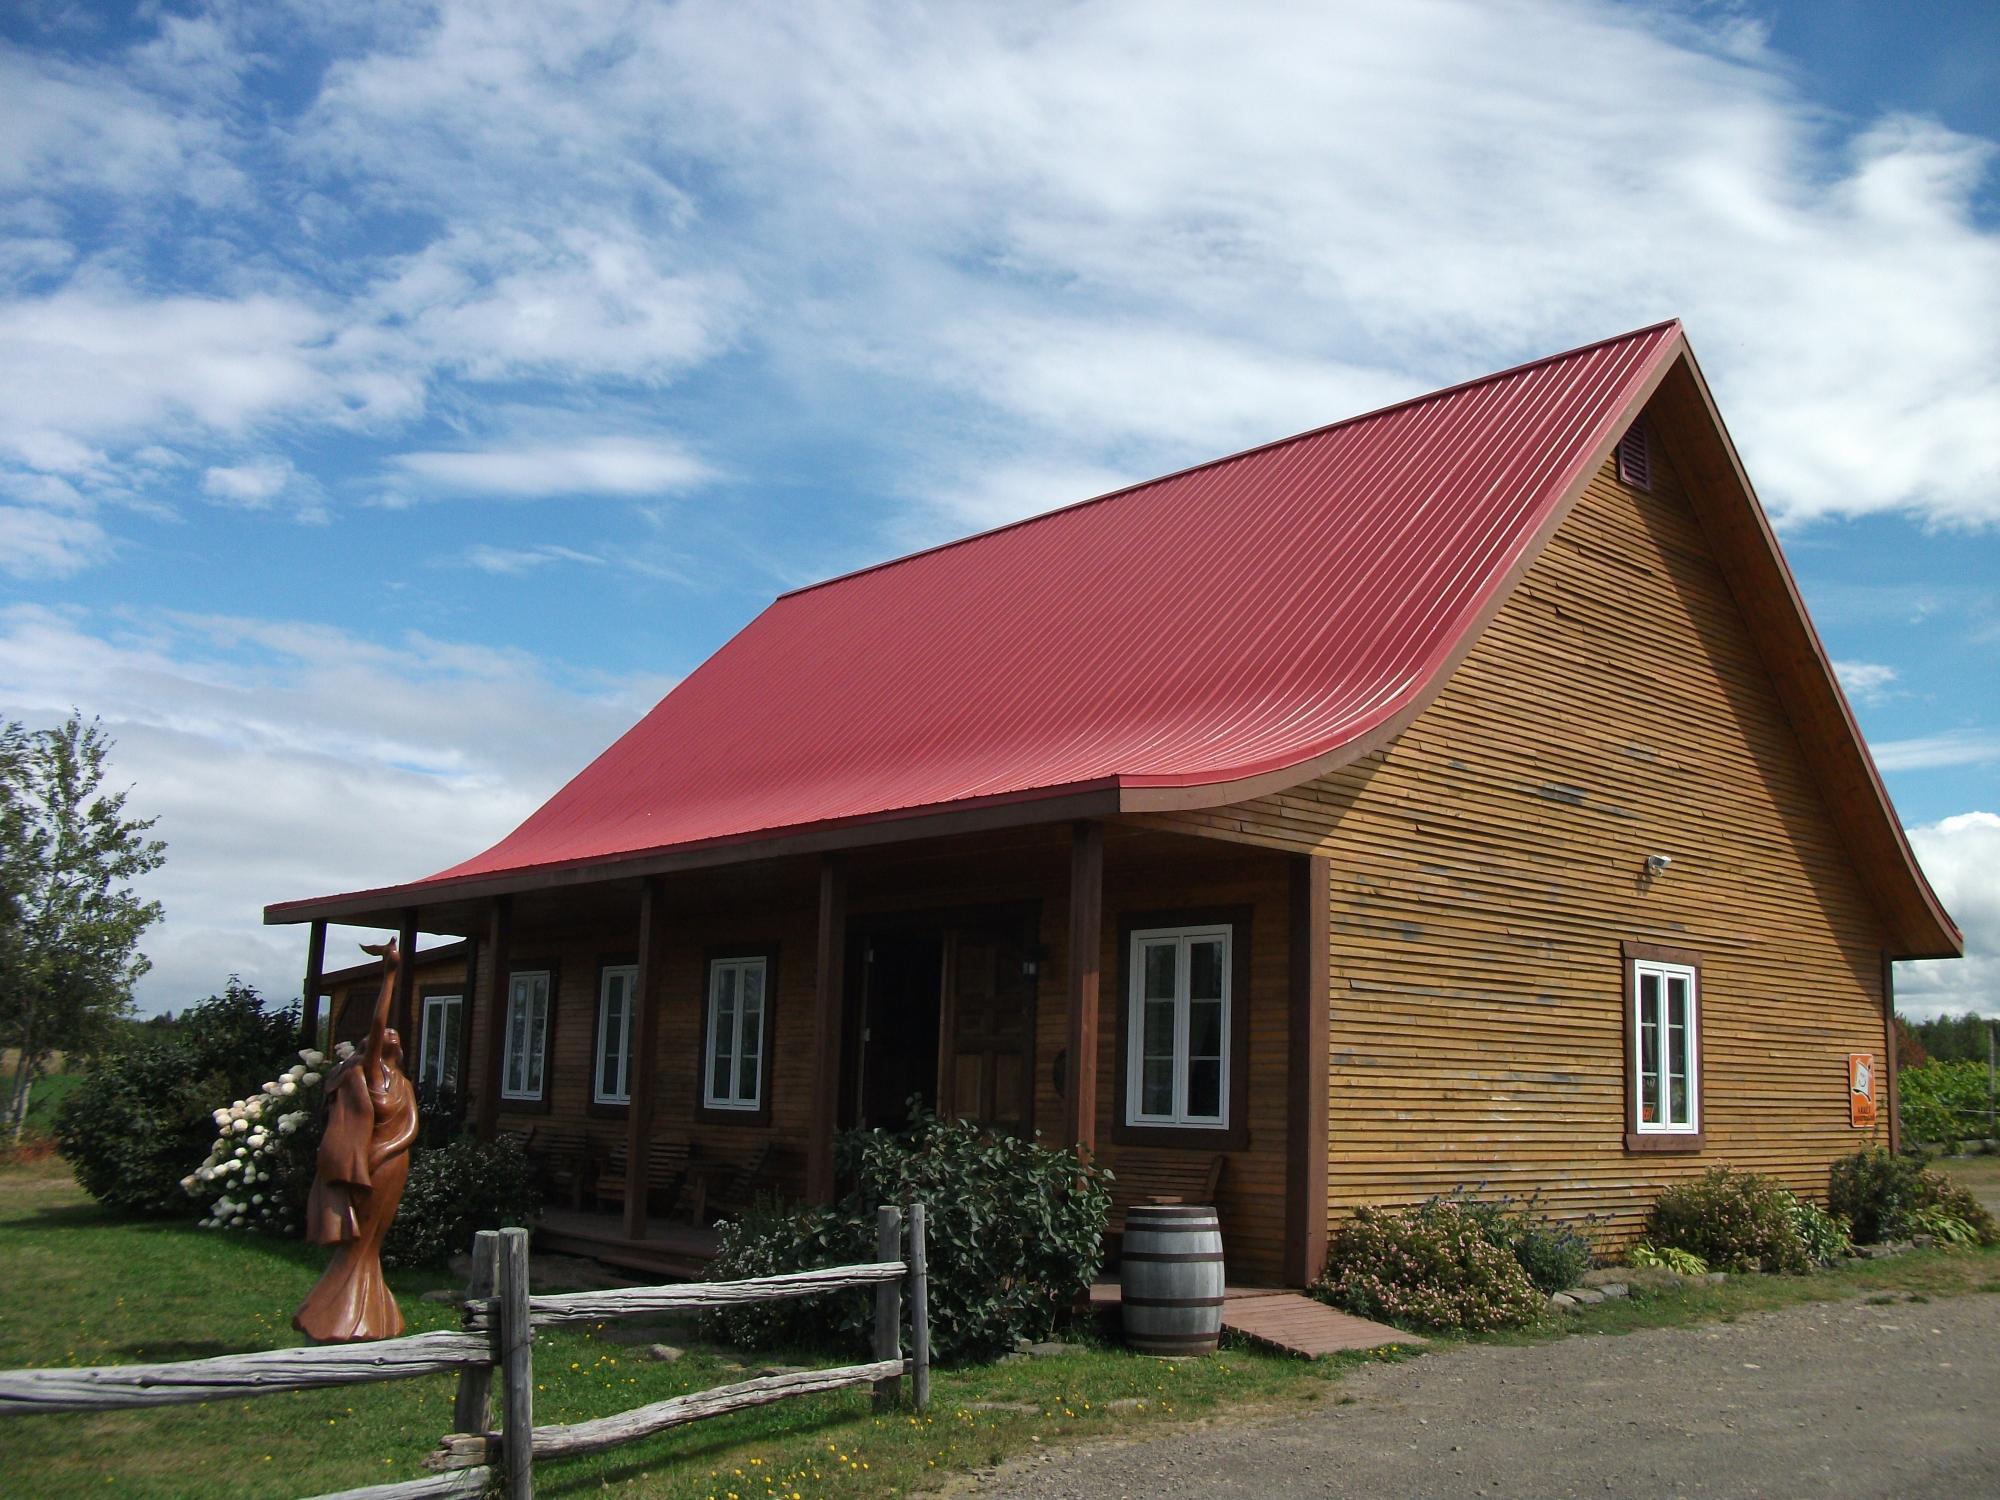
pixel 85 1288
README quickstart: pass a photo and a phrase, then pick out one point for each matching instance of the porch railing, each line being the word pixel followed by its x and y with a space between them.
pixel 501 1316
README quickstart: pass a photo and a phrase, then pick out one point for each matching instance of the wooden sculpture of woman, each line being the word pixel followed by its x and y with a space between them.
pixel 364 1157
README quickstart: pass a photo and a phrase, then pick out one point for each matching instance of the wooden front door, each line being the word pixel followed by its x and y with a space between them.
pixel 986 1065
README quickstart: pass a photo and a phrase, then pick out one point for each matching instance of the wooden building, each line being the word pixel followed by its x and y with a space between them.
pixel 1454 796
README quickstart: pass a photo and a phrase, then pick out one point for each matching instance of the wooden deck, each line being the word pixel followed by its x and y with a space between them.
pixel 1287 1320
pixel 669 1248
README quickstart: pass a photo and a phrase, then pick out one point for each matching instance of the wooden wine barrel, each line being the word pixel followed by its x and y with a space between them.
pixel 1170 1279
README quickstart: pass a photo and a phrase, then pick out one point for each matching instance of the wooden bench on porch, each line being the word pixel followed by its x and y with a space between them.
pixel 724 1192
pixel 562 1157
pixel 667 1168
pixel 1155 1178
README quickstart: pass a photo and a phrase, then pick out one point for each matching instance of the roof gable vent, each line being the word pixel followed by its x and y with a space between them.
pixel 1633 465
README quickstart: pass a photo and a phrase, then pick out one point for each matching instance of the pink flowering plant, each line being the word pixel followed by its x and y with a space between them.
pixel 1433 1267
pixel 257 1173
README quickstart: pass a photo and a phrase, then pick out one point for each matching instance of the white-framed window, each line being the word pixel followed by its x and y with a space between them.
pixel 612 1079
pixel 437 1051
pixel 527 1035
pixel 1666 1083
pixel 1177 1029
pixel 737 1010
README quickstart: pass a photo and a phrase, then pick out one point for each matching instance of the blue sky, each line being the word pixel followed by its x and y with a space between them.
pixel 396 398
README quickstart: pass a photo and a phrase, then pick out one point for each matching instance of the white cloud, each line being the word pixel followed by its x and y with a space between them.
pixel 1961 855
pixel 43 544
pixel 1954 747
pixel 290 760
pixel 587 466
pixel 1034 230
pixel 1866 681
pixel 509 561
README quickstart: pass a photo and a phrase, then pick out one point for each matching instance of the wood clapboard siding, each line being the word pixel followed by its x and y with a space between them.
pixel 578 952
pixel 1144 872
pixel 1487 866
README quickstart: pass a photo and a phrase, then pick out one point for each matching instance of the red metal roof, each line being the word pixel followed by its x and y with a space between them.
pixel 1239 619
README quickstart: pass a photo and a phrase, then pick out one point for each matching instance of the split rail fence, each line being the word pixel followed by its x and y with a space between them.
pixel 501 1315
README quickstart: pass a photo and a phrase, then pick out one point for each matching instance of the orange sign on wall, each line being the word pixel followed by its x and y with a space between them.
pixel 1860 1089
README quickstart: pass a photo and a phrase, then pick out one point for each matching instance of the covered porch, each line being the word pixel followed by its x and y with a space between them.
pixel 685 1026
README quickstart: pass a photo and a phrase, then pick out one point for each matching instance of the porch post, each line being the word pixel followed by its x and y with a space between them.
pixel 649 989
pixel 468 1017
pixel 499 958
pixel 1086 924
pixel 830 984
pixel 406 984
pixel 1311 945
pixel 309 996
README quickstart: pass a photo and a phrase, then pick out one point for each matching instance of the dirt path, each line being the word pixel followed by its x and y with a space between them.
pixel 1830 1400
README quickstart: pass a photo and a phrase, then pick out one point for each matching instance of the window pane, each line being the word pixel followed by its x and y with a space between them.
pixel 753 984
pixel 1205 1029
pixel 1159 971
pixel 1649 1049
pixel 1205 969
pixel 1156 1089
pixel 718 1082
pixel 746 1078
pixel 517 1038
pixel 453 1014
pixel 1205 1089
pixel 538 1031
pixel 752 1027
pixel 1677 1051
pixel 1159 1040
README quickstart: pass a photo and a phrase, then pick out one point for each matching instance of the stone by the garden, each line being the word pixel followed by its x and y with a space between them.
pixel 1615 1289
pixel 1562 1302
pixel 1651 1279
pixel 1587 1294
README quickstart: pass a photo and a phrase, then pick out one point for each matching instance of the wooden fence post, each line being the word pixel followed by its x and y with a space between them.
pixel 920 1312
pixel 517 1354
pixel 472 1410
pixel 888 1303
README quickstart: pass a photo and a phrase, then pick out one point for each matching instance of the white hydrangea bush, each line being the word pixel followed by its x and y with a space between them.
pixel 263 1144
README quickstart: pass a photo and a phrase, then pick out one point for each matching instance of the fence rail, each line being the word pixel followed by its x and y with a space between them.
pixel 501 1316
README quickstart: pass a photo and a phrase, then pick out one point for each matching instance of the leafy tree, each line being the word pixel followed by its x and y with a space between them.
pixel 1910 1051
pixel 71 923
pixel 1954 1038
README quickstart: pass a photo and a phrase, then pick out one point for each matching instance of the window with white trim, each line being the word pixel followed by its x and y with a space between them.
pixel 437 1050
pixel 526 1053
pixel 1177 1063
pixel 612 1076
pixel 737 1010
pixel 1666 1083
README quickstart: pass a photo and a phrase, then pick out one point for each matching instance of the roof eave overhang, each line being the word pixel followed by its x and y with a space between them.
pixel 384 906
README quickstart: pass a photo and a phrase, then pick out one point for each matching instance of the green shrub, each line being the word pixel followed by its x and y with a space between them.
pixel 1943 1101
pixel 1554 1254
pixel 1015 1234
pixel 1737 1221
pixel 140 1118
pixel 1889 1197
pixel 1433 1267
pixel 773 1238
pixel 1823 1234
pixel 1648 1256
pixel 455 1190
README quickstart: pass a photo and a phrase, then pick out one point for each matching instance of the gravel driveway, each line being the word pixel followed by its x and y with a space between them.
pixel 1830 1400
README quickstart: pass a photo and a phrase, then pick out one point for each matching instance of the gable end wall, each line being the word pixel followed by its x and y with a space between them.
pixel 1488 865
